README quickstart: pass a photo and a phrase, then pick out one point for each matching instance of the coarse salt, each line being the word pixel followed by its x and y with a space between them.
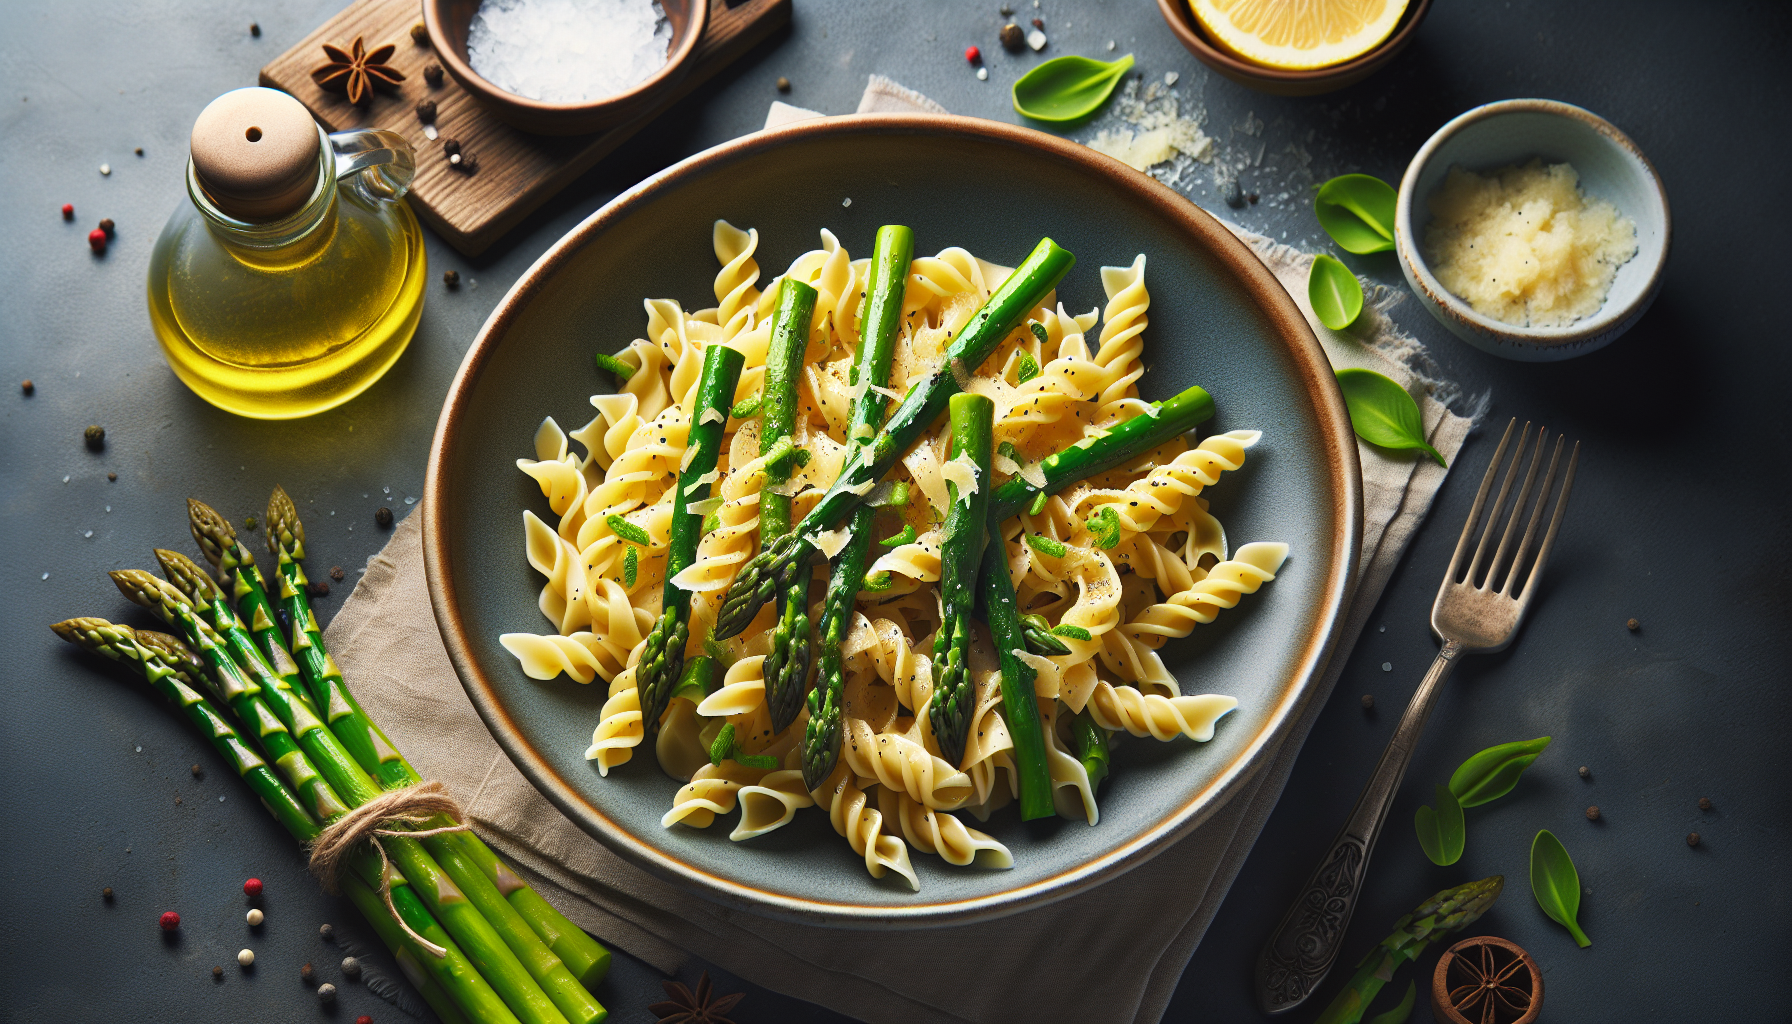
pixel 568 51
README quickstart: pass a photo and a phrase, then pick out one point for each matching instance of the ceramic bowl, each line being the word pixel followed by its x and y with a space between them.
pixel 1218 318
pixel 1611 167
pixel 447 22
pixel 1279 82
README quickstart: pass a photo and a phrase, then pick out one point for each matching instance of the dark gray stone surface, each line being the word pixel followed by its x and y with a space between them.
pixel 1680 514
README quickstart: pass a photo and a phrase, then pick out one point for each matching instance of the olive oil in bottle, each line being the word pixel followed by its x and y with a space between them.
pixel 294 278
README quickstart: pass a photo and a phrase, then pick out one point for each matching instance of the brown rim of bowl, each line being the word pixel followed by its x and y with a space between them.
pixel 1311 366
pixel 1550 338
pixel 1313 80
pixel 539 112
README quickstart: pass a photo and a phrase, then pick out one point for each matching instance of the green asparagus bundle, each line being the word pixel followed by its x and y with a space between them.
pixel 890 260
pixel 249 591
pixel 662 660
pixel 449 983
pixel 787 666
pixel 1436 918
pixel 961 554
pixel 789 556
pixel 1020 704
pixel 455 898
pixel 372 750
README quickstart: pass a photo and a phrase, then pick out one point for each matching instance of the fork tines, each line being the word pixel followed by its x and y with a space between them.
pixel 1506 570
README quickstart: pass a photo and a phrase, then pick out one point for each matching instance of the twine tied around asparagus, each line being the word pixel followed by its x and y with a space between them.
pixel 412 805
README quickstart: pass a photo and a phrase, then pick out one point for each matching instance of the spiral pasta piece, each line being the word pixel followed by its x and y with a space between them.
pixel 735 295
pixel 742 690
pixel 1161 718
pixel 1164 489
pixel 1252 566
pixel 931 831
pixel 1073 795
pixel 1121 347
pixel 903 764
pixel 619 730
pixel 678 745
pixel 770 804
pixel 863 826
pixel 714 789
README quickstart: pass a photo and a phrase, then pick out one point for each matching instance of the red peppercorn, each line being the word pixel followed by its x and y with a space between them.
pixel 972 54
pixel 252 887
pixel 68 211
pixel 170 921
pixel 364 1019
pixel 97 240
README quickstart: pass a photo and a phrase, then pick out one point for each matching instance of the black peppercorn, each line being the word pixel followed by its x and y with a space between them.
pixel 139 150
pixel 1012 37
pixel 255 29
pixel 106 894
pixel 318 588
pixel 468 163
pixel 451 278
pixel 336 573
pixel 28 387
pixel 108 227
pixel 326 993
pixel 1592 814
pixel 217 974
pixel 1251 198
pixel 112 477
pixel 198 771
pixel 420 34
pixel 326 932
pixel 96 437
pixel 306 973
pixel 383 516
pixel 1585 772
pixel 1368 701
pixel 1692 839
pixel 783 84
pixel 426 111
pixel 432 73
pixel 451 146
pixel 1704 803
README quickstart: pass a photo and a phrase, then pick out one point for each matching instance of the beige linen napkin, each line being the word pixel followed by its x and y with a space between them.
pixel 1136 932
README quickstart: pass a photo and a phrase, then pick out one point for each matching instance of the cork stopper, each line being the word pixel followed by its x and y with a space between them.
pixel 255 151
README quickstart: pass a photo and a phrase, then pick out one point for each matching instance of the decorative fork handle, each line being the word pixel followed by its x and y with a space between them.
pixel 1300 952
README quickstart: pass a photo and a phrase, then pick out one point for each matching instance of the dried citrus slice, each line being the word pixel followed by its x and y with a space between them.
pixel 1298 34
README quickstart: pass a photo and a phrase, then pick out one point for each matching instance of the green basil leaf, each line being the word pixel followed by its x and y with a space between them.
pixel 631 566
pixel 1441 832
pixel 1067 88
pixel 1382 413
pixel 1357 210
pixel 1336 294
pixel 1399 1014
pixel 626 530
pixel 1493 772
pixel 1556 884
pixel 1073 632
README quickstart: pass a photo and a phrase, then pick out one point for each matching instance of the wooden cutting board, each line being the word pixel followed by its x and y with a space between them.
pixel 517 171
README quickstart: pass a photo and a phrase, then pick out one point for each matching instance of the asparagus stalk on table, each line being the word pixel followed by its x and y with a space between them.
pixel 790 555
pixel 961 554
pixel 261 697
pixel 787 665
pixel 662 660
pixel 170 668
pixel 890 258
pixel 379 756
pixel 1438 917
pixel 249 591
pixel 176 671
pixel 1020 703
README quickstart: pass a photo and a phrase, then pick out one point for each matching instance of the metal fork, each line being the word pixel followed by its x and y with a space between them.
pixel 1468 616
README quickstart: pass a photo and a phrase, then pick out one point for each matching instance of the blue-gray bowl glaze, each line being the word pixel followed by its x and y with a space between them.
pixel 1611 167
pixel 1218 319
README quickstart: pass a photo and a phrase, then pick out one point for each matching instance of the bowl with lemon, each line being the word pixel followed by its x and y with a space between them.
pixel 1295 47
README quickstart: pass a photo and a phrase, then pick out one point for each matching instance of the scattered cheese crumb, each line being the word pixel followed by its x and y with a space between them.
pixel 830 543
pixel 982 74
pixel 1170 77
pixel 1036 39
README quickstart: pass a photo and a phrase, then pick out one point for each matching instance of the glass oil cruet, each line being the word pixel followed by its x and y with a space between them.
pixel 294 279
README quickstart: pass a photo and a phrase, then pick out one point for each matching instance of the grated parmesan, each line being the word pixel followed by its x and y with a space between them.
pixel 830 543
pixel 963 472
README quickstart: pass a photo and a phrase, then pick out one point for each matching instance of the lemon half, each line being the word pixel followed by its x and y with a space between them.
pixel 1298 35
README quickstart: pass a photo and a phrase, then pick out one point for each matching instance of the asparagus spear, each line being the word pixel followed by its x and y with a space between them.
pixel 961 552
pixel 1123 442
pixel 890 259
pixel 1037 630
pixel 373 751
pixel 1436 918
pixel 237 571
pixel 790 555
pixel 662 661
pixel 787 665
pixel 170 668
pixel 1020 705
pixel 255 700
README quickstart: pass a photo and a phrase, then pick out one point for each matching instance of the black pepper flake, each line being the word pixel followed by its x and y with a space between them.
pixel 451 278
pixel 383 516
pixel 432 73
pixel 1692 839
pixel 783 84
pixel 426 111
pixel 336 573
pixel 318 588
pixel 95 436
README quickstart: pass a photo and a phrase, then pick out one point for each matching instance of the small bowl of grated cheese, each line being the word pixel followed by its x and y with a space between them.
pixel 1532 229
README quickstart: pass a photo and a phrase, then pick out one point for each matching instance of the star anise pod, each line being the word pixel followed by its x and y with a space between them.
pixel 687 1007
pixel 356 71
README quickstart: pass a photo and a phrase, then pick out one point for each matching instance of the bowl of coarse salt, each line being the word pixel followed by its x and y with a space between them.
pixel 1533 229
pixel 566 67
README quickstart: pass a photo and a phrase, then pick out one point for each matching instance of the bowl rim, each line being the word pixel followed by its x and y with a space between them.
pixel 1338 572
pixel 1186 29
pixel 1587 329
pixel 485 89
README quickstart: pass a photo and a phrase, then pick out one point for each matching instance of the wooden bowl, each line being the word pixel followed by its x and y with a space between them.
pixel 1290 83
pixel 447 22
pixel 1518 999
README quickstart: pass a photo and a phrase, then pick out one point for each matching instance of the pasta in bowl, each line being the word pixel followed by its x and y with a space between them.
pixel 894 642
